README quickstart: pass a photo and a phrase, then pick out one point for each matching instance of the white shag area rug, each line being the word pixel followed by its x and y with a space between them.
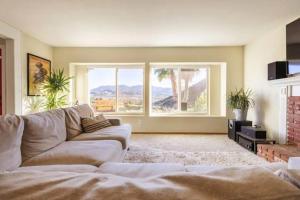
pixel 189 149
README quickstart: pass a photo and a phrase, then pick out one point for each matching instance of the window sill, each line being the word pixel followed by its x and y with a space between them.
pixel 184 116
pixel 123 114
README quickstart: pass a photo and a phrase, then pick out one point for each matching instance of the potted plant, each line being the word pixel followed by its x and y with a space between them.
pixel 33 104
pixel 54 90
pixel 240 101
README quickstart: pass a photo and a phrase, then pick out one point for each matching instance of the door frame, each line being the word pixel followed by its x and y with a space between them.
pixel 2 47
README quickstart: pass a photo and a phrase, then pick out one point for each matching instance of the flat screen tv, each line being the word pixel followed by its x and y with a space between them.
pixel 293 47
pixel 293 40
pixel 293 67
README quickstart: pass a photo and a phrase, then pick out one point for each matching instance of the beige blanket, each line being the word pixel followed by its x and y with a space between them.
pixel 233 183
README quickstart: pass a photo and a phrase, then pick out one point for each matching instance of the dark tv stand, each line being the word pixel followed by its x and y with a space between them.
pixel 234 126
pixel 251 143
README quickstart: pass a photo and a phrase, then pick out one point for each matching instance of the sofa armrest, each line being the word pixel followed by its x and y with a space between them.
pixel 115 122
pixel 294 163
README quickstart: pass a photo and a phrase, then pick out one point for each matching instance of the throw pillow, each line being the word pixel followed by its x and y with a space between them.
pixel 73 123
pixel 11 131
pixel 92 124
pixel 42 131
pixel 84 110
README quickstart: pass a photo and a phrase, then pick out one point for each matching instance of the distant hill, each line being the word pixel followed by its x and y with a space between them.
pixel 162 93
pixel 194 92
pixel 109 90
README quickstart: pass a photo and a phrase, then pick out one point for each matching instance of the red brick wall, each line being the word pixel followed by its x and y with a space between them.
pixel 293 120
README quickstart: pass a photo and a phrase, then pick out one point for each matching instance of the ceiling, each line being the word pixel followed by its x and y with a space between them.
pixel 123 23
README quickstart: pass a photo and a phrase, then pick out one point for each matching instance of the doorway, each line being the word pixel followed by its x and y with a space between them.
pixel 2 78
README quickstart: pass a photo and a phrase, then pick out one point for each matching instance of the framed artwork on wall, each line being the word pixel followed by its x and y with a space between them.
pixel 38 69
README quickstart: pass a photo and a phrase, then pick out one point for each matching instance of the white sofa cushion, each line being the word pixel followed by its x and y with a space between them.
pixel 11 131
pixel 294 163
pixel 79 152
pixel 42 131
pixel 139 170
pixel 120 133
pixel 202 168
pixel 58 168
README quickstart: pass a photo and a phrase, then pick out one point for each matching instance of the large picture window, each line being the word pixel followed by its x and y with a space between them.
pixel 117 88
pixel 179 89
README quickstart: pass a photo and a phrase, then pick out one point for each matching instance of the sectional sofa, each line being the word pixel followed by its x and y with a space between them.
pixel 56 138
pixel 48 156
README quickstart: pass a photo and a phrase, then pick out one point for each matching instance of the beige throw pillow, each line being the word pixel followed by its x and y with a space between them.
pixel 92 124
pixel 11 131
pixel 43 131
pixel 84 110
pixel 73 123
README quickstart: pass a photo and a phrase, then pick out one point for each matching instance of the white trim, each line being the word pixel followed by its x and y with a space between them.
pixel 284 93
pixel 178 89
pixel 187 115
pixel 2 47
pixel 286 81
pixel 117 89
pixel 109 64
pixel 208 90
pixel 186 63
pixel 14 68
pixel 223 87
pixel 285 87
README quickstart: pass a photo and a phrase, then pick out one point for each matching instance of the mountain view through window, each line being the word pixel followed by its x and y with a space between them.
pixel 179 90
pixel 119 90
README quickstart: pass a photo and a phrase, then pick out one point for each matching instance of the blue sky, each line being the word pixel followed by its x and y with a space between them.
pixel 106 76
pixel 129 77
pixel 166 83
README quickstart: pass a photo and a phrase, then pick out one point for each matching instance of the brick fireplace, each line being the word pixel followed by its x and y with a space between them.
pixel 289 109
pixel 289 122
pixel 293 120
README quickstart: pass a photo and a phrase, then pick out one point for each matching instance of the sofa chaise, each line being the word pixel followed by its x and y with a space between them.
pixel 56 138
pixel 219 184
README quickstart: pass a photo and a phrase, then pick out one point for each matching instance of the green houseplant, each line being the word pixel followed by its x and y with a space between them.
pixel 33 104
pixel 54 90
pixel 240 101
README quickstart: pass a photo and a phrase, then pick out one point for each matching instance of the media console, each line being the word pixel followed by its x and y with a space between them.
pixel 251 143
pixel 247 136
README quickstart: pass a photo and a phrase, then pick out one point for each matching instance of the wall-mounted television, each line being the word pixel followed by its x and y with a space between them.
pixel 293 47
pixel 293 67
pixel 293 40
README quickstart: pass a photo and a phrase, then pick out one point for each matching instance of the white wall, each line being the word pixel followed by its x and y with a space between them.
pixel 17 46
pixel 266 49
pixel 233 56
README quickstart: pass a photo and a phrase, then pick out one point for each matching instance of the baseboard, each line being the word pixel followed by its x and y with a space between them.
pixel 186 133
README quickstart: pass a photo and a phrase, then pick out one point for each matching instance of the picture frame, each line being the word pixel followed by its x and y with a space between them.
pixel 38 69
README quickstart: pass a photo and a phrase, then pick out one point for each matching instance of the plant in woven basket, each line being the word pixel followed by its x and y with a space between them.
pixel 55 89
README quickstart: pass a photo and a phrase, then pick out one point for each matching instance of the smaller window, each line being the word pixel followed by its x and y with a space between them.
pixel 179 89
pixel 117 88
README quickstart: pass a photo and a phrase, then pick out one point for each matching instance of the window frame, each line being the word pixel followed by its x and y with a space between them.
pixel 117 67
pixel 178 66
